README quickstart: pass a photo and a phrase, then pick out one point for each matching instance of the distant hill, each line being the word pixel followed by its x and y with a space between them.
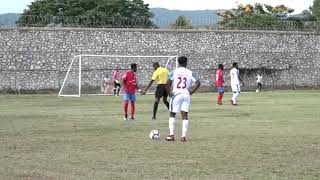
pixel 8 19
pixel 163 17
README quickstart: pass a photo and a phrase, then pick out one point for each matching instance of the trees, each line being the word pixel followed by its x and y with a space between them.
pixel 257 16
pixel 181 23
pixel 87 13
pixel 315 9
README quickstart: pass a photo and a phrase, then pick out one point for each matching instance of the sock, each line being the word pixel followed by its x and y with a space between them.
pixel 132 109
pixel 234 97
pixel 166 103
pixel 221 96
pixel 185 124
pixel 114 91
pixel 171 125
pixel 155 108
pixel 125 107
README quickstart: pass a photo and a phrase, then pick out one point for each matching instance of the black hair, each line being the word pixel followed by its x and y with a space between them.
pixel 183 60
pixel 234 64
pixel 220 66
pixel 133 66
pixel 155 64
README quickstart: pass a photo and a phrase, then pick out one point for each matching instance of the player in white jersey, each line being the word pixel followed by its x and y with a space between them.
pixel 259 83
pixel 180 80
pixel 235 83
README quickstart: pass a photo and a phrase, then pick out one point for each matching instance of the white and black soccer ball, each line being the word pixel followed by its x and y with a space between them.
pixel 154 134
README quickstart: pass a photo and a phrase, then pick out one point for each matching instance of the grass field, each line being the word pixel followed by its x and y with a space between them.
pixel 270 135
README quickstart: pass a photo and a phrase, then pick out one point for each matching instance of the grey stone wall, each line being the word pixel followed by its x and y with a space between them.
pixel 38 58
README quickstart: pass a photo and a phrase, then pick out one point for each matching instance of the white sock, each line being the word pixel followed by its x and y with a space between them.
pixel 185 125
pixel 234 96
pixel 171 125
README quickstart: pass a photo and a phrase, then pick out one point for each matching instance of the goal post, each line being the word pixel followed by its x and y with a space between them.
pixel 90 74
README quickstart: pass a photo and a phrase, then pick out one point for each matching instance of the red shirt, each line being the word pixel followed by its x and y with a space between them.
pixel 219 78
pixel 130 82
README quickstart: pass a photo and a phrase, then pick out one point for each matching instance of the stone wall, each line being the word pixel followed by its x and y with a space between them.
pixel 38 58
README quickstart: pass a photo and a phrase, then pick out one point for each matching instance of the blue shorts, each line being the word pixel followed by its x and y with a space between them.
pixel 220 89
pixel 129 97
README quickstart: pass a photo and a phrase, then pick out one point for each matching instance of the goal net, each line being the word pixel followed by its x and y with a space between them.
pixel 93 74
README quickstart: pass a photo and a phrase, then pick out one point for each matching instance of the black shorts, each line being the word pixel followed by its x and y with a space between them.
pixel 161 91
pixel 116 84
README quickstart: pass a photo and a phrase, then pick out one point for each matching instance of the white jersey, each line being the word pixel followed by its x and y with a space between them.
pixel 259 79
pixel 234 74
pixel 182 79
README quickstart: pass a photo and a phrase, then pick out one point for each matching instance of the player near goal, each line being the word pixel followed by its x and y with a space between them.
pixel 235 82
pixel 160 75
pixel 259 83
pixel 130 87
pixel 181 80
pixel 117 86
pixel 219 84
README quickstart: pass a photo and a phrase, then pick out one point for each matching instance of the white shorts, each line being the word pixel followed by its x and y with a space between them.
pixel 235 88
pixel 179 102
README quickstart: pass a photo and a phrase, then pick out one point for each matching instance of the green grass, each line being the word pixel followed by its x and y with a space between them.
pixel 270 135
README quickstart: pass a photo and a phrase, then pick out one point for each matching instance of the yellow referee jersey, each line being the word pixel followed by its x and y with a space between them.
pixel 160 75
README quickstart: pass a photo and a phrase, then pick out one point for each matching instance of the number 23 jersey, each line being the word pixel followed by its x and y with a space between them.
pixel 182 79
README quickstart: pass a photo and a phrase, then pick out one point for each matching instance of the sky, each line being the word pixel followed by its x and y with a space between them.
pixel 17 6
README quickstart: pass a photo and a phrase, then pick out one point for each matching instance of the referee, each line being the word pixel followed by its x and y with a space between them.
pixel 160 75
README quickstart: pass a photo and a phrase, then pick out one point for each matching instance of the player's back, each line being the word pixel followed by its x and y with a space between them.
pixel 130 82
pixel 234 73
pixel 182 79
pixel 219 78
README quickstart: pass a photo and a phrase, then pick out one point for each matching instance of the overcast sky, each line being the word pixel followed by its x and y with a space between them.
pixel 17 6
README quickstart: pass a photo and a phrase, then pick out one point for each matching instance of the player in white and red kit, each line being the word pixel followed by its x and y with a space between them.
pixel 180 80
pixel 219 83
pixel 130 87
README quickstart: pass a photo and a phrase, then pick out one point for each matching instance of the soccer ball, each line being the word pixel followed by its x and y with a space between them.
pixel 154 134
pixel 257 90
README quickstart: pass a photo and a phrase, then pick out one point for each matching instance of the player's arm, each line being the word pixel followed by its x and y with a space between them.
pixel 195 87
pixel 196 80
pixel 153 78
pixel 168 87
pixel 148 86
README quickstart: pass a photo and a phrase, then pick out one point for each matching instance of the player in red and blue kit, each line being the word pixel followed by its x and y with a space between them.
pixel 130 87
pixel 219 83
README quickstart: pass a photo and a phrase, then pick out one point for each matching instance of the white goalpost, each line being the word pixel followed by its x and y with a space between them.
pixel 93 74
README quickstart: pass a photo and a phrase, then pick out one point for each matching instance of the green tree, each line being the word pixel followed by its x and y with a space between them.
pixel 315 9
pixel 181 23
pixel 87 13
pixel 258 16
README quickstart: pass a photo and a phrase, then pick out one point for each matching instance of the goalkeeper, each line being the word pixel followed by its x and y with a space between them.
pixel 160 75
pixel 117 86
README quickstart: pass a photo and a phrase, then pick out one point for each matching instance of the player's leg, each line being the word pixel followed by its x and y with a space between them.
pixel 185 120
pixel 236 93
pixel 132 102
pixel 158 95
pixel 220 95
pixel 114 87
pixel 260 86
pixel 175 105
pixel 155 107
pixel 165 97
pixel 125 105
pixel 118 89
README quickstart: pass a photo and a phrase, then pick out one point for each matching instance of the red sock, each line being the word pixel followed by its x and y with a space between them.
pixel 132 109
pixel 220 96
pixel 125 107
